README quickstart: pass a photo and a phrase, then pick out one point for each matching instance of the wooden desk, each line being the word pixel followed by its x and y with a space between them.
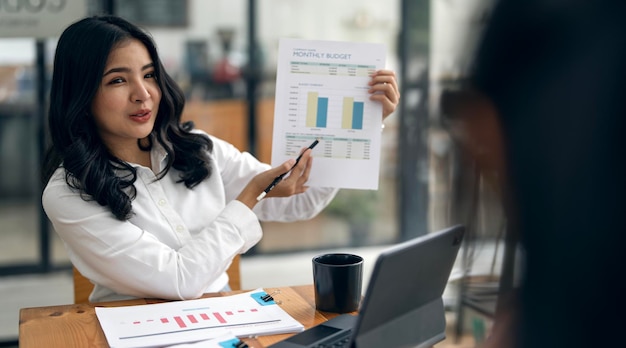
pixel 76 325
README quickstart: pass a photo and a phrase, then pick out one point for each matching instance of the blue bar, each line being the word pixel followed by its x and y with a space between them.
pixel 322 112
pixel 357 115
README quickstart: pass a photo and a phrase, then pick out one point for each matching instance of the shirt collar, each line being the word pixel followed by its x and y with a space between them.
pixel 158 157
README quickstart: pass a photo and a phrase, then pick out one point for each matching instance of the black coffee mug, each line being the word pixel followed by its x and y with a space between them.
pixel 337 279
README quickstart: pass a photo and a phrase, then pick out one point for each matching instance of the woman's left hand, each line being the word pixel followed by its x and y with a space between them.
pixel 384 81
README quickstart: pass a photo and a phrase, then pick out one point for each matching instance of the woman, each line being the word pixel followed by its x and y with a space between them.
pixel 547 114
pixel 146 206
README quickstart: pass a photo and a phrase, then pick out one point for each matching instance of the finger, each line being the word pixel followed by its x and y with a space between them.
pixel 307 171
pixel 299 175
pixel 388 106
pixel 304 178
pixel 284 168
pixel 305 155
pixel 383 81
pixel 384 76
pixel 386 72
pixel 385 93
pixel 389 90
pixel 393 82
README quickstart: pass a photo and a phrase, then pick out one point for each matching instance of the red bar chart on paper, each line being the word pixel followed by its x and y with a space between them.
pixel 185 321
pixel 203 315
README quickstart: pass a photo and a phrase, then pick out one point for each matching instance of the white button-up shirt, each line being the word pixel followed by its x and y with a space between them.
pixel 179 241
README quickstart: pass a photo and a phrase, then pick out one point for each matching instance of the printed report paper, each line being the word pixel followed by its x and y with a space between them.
pixel 322 93
pixel 176 322
pixel 227 340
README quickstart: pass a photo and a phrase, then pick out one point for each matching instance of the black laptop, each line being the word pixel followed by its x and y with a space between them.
pixel 403 304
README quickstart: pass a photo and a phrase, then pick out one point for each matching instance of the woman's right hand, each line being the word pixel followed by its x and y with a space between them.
pixel 293 183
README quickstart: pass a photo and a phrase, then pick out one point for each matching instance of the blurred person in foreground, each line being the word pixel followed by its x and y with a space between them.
pixel 146 205
pixel 545 108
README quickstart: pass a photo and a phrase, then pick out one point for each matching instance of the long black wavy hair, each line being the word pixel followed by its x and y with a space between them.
pixel 79 63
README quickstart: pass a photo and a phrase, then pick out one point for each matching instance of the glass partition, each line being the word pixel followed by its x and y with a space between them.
pixel 207 51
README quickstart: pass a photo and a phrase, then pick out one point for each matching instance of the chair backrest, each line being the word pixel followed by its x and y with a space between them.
pixel 83 287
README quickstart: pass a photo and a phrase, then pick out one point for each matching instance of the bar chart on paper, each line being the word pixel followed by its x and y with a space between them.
pixel 348 111
pixel 192 316
pixel 323 93
pixel 336 111
pixel 332 116
pixel 328 96
pixel 186 321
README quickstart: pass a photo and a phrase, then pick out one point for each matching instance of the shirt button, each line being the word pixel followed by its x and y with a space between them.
pixel 162 202
pixel 180 229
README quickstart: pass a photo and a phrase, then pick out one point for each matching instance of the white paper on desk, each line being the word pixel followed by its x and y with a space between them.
pixel 322 93
pixel 169 323
pixel 226 340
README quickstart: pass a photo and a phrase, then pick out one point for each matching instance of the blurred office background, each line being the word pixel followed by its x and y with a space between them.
pixel 223 53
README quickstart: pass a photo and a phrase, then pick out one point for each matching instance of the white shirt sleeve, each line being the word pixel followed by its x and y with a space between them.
pixel 237 168
pixel 147 261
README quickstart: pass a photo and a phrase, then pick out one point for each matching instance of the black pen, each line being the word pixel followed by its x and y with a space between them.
pixel 281 176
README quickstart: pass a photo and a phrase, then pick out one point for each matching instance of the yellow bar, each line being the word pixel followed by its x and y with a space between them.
pixel 311 109
pixel 346 116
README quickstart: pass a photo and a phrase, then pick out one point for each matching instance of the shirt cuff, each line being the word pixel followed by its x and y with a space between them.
pixel 245 222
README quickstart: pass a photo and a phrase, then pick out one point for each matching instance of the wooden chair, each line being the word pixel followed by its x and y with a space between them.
pixel 83 287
